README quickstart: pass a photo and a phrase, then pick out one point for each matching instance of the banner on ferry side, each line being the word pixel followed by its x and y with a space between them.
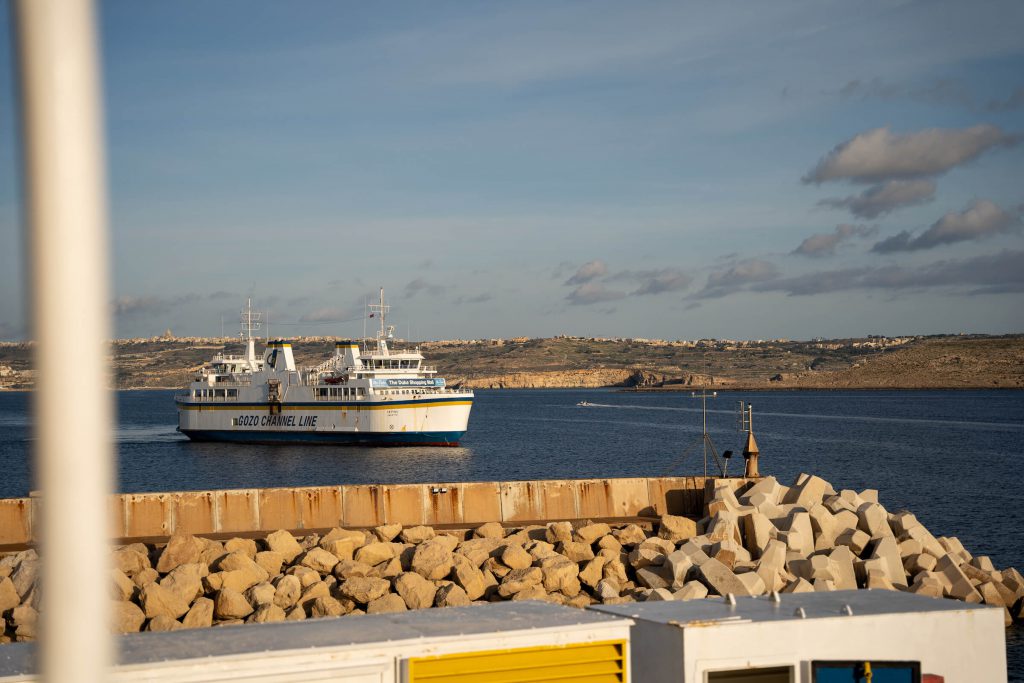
pixel 430 382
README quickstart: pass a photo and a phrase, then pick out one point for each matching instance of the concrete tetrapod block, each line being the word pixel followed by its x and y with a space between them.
pixel 823 523
pixel 768 487
pixel 758 530
pixel 692 590
pixel 724 525
pixel 957 585
pixel 854 539
pixel 842 568
pixel 808 491
pixel 719 578
pixel 929 543
pixel 772 564
pixel 886 550
pixel 873 520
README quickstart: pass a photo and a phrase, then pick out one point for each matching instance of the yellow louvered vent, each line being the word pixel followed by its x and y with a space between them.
pixel 602 662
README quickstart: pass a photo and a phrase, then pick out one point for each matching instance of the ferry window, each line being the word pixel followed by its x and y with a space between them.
pixel 219 393
pixel 362 391
pixel 232 393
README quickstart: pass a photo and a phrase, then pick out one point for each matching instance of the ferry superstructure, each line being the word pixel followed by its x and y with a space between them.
pixel 372 397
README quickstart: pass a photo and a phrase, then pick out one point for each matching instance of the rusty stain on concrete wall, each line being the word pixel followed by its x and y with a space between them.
pixel 148 515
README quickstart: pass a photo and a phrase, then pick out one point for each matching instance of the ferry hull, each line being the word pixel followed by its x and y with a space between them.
pixel 328 438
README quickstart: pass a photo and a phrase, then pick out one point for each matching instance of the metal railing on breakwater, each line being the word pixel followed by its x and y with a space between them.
pixel 241 511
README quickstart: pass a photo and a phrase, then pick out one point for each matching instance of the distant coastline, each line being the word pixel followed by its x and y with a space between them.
pixel 965 362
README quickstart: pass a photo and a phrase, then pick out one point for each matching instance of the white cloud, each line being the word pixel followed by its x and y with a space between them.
pixel 587 272
pixel 878 155
pixel 981 220
pixel 881 199
pixel 592 293
pixel 826 243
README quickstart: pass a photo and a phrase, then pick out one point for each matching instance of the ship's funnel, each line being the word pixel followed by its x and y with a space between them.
pixel 278 356
pixel 348 351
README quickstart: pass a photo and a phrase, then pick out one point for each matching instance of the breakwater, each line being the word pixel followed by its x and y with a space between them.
pixel 753 537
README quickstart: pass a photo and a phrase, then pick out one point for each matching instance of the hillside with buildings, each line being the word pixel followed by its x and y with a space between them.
pixel 966 361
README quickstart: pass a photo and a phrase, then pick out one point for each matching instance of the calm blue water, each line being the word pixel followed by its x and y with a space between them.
pixel 954 458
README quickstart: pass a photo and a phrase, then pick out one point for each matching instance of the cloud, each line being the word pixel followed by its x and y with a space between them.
pixel 587 272
pixel 326 315
pixel 220 294
pixel 419 285
pixel 737 277
pixel 988 274
pixel 592 293
pixel 477 299
pixel 825 244
pixel 878 155
pixel 661 281
pixel 880 199
pixel 132 306
pixel 982 219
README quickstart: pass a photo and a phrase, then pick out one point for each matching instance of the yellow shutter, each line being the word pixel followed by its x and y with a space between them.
pixel 602 662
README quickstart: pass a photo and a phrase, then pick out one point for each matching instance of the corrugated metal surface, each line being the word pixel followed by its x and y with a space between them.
pixel 601 662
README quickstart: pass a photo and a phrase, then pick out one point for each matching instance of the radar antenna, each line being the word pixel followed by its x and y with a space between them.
pixel 704 440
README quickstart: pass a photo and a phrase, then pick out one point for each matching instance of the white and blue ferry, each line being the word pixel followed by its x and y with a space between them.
pixel 372 397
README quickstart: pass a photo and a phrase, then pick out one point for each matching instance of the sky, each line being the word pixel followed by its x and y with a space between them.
pixel 666 170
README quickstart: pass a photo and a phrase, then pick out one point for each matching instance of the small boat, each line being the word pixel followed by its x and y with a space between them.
pixel 584 404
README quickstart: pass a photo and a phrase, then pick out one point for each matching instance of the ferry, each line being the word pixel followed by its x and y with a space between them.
pixel 371 397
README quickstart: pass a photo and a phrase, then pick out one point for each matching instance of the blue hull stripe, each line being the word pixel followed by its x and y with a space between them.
pixel 329 438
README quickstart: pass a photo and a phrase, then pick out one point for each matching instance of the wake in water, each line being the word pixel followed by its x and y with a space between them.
pixel 1015 426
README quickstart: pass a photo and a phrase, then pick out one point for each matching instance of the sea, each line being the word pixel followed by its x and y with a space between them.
pixel 953 458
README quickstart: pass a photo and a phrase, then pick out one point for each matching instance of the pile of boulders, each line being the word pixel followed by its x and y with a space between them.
pixel 755 539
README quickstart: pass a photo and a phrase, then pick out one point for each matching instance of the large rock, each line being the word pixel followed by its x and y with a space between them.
pixel 200 615
pixel 590 533
pixel 24 577
pixel 130 561
pixel 490 530
pixel 477 550
pixel 432 560
pixel 375 553
pixel 121 588
pixel 269 561
pixel 230 604
pixel 246 546
pixel 417 592
pixel 385 604
pixel 311 593
pixel 364 589
pixel 674 528
pixel 261 594
pixel 324 606
pixel 560 574
pixel 128 618
pixel 518 580
pixel 515 557
pixel 283 542
pixel 577 551
pixel 240 562
pixel 558 532
pixel 163 623
pixel 630 534
pixel 287 591
pixel 593 572
pixel 158 600
pixel 450 595
pixel 319 560
pixel 387 532
pixel 186 581
pixel 466 575
pixel 9 598
pixel 180 549
pixel 266 614
pixel 417 534
pixel 719 578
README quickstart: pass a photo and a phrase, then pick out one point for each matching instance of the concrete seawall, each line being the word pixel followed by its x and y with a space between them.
pixel 240 511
